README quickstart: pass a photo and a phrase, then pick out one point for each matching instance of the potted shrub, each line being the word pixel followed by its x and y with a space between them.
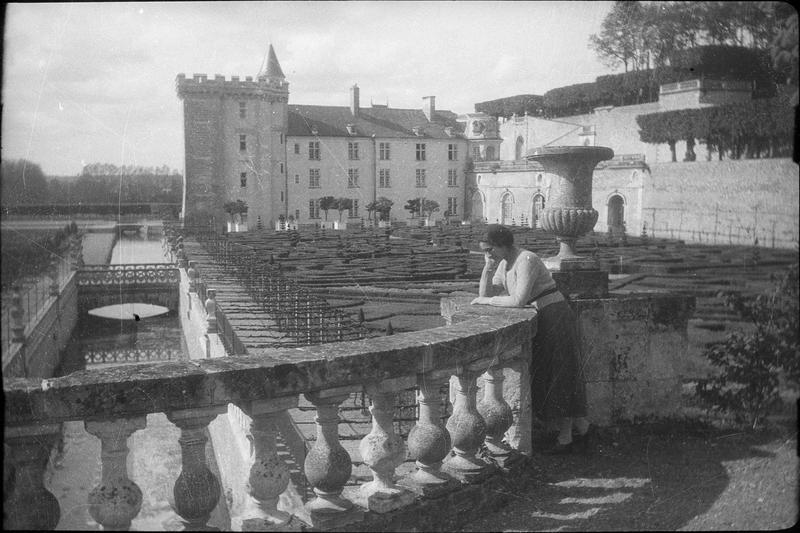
pixel 327 203
pixel 234 208
pixel 342 205
pixel 280 225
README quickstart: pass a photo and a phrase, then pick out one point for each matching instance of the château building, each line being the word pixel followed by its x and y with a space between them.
pixel 244 141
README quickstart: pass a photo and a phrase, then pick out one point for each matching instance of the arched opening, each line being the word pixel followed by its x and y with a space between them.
pixel 506 209
pixel 490 153
pixel 538 207
pixel 476 207
pixel 519 149
pixel 616 214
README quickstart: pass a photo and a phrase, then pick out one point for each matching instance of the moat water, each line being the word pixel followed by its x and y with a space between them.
pixel 126 333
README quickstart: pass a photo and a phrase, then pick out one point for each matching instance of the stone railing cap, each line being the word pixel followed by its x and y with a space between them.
pixel 161 387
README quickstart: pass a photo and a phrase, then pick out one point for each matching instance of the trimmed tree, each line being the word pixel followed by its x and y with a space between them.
pixel 326 203
pixel 342 204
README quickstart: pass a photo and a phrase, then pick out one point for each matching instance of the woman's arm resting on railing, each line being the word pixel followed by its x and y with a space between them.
pixel 491 284
pixel 521 294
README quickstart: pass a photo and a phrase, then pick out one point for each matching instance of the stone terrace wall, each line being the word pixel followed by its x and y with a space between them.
pixel 47 336
pixel 724 202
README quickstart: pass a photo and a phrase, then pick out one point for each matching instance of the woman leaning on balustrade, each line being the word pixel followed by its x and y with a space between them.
pixel 515 277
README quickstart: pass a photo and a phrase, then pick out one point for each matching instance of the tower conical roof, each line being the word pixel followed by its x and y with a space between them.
pixel 273 67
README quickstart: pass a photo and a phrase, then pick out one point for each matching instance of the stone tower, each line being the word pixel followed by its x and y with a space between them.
pixel 235 146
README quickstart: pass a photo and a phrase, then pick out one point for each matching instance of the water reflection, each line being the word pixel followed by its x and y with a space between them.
pixel 137 247
pixel 129 311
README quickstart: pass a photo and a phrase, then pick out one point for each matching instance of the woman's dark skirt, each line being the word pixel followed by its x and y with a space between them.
pixel 558 389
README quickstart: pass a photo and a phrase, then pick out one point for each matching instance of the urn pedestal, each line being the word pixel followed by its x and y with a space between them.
pixel 569 214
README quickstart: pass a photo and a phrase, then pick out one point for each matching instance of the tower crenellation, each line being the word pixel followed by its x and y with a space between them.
pixel 266 87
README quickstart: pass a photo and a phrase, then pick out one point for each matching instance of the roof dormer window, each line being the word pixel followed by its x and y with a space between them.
pixel 351 129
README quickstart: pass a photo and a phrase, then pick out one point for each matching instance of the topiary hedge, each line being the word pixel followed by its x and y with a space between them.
pixel 759 128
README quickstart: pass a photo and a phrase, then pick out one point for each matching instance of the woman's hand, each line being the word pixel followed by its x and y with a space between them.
pixel 481 300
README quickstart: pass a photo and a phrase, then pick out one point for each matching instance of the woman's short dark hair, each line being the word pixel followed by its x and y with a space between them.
pixel 498 235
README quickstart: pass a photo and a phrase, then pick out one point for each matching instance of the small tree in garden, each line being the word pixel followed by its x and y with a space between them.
pixel 343 204
pixel 755 367
pixel 326 203
pixel 412 206
pixel 382 206
pixel 235 207
pixel 429 207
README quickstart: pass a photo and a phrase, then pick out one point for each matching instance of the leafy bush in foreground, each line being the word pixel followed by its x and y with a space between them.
pixel 755 367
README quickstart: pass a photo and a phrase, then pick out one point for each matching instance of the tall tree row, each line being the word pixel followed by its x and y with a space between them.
pixel 24 183
pixel 644 35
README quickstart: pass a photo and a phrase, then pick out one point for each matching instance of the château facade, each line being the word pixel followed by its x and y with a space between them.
pixel 244 141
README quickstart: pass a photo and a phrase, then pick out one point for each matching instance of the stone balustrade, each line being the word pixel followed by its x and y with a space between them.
pixel 114 402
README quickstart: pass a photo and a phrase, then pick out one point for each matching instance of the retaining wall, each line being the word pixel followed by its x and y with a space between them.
pixel 46 335
pixel 724 202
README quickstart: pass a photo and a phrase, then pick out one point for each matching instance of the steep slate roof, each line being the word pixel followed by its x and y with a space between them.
pixel 332 121
pixel 273 67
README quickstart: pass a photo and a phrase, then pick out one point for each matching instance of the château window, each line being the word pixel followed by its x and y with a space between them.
pixel 352 151
pixel 243 179
pixel 282 197
pixel 242 109
pixel 296 214
pixel 313 150
pixel 420 151
pixel 452 206
pixel 281 138
pixel 297 179
pixel 352 178
pixel 421 177
pixel 452 177
pixel 384 179
pixel 281 167
pixel 313 178
pixel 354 210
pixel 383 151
pixel 452 152
pixel 297 148
pixel 242 143
pixel 313 208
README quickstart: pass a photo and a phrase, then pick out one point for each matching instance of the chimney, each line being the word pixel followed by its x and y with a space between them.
pixel 429 106
pixel 354 100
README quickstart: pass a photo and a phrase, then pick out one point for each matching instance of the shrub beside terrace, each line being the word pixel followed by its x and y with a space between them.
pixel 28 253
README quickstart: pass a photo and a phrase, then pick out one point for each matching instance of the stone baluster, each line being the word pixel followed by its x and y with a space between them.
pixel 197 489
pixel 181 255
pixel 211 310
pixel 73 253
pixel 467 432
pixel 383 450
pixel 28 504
pixel 429 443
pixel 52 273
pixel 116 500
pixel 328 465
pixel 17 315
pixel 192 273
pixel 269 475
pixel 497 415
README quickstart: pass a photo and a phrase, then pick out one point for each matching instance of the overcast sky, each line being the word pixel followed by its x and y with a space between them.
pixel 86 83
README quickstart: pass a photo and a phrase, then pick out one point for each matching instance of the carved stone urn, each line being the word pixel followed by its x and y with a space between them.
pixel 569 214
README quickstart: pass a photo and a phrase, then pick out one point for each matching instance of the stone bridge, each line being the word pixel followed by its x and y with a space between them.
pixel 102 285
